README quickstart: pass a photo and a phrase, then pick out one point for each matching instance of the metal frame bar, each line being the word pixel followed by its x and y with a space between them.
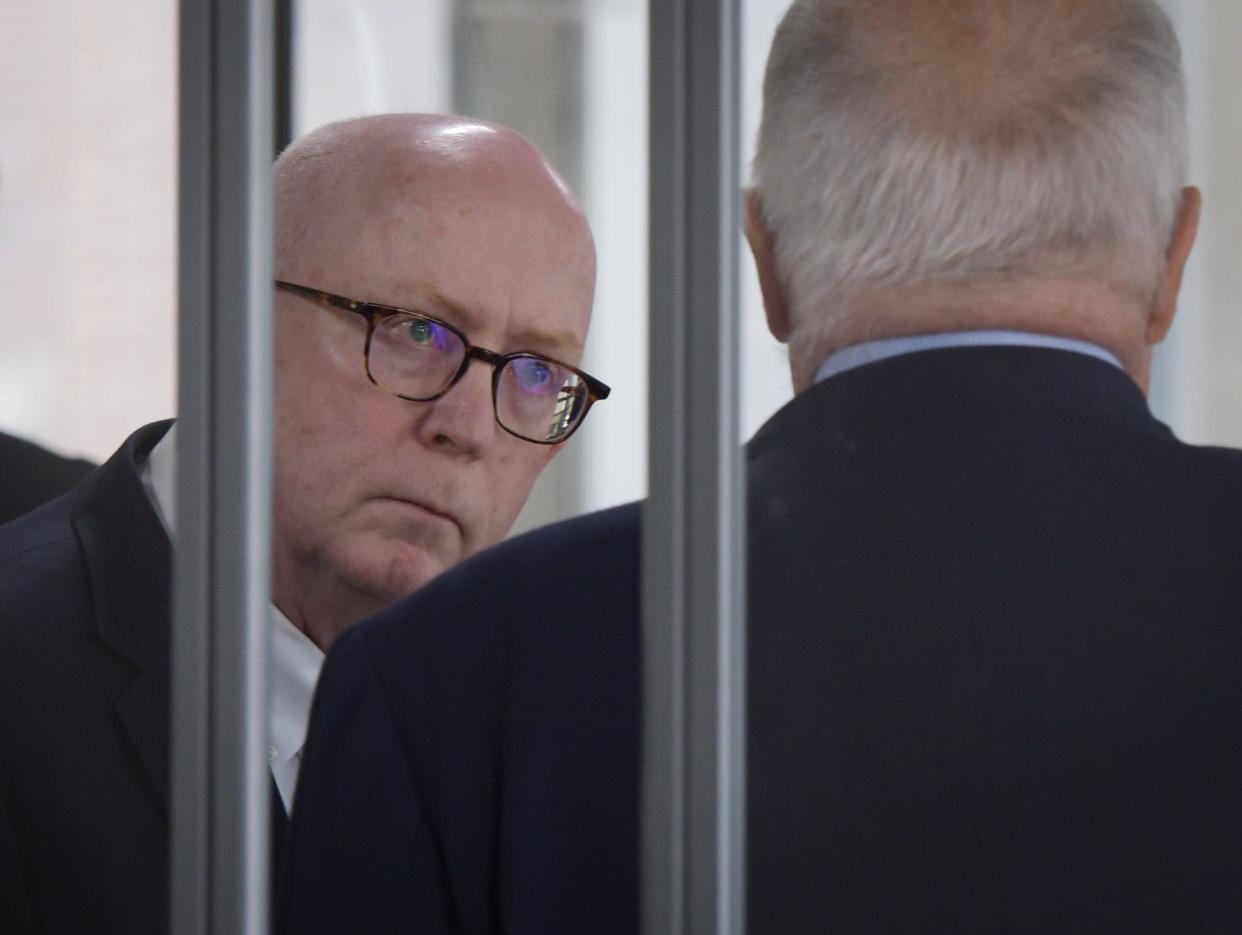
pixel 282 115
pixel 693 769
pixel 220 800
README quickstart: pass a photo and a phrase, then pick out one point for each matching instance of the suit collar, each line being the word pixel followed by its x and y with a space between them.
pixel 129 564
pixel 868 352
pixel 963 382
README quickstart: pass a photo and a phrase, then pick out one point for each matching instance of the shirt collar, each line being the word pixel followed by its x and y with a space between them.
pixel 868 352
pixel 159 480
pixel 295 665
pixel 295 660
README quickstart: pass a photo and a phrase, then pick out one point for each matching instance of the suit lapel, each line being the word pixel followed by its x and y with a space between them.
pixel 129 561
pixel 280 824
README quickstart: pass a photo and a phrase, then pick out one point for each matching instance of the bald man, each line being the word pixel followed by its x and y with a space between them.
pixel 994 652
pixel 434 287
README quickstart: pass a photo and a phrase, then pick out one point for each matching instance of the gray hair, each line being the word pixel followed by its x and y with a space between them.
pixel 888 158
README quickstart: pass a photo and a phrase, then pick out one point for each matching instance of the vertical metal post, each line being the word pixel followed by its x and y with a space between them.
pixel 282 116
pixel 694 537
pixel 220 799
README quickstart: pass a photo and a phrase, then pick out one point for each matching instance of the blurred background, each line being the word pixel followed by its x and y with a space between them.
pixel 88 166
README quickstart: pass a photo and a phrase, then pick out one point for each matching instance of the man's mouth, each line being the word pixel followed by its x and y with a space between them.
pixel 425 508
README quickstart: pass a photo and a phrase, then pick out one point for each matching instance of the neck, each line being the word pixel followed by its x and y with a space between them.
pixel 320 606
pixel 1081 310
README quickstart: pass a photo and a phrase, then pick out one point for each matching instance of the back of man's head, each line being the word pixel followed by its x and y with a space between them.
pixel 975 143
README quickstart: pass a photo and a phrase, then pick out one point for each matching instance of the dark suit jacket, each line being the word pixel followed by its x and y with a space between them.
pixel 995 685
pixel 84 708
pixel 30 476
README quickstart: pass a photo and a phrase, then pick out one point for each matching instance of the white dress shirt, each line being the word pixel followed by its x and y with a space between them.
pixel 294 661
pixel 868 352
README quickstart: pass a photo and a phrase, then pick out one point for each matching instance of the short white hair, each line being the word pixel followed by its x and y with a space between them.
pixel 888 158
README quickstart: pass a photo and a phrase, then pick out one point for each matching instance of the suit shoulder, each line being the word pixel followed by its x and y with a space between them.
pixel 50 527
pixel 1215 457
pixel 1206 472
pixel 604 537
pixel 471 614
pixel 44 605
pixel 586 552
pixel 34 475
pixel 43 539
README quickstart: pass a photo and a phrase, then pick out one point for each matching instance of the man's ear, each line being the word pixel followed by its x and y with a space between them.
pixel 763 246
pixel 1164 303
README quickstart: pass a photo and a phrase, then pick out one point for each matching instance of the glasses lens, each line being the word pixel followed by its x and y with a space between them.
pixel 539 399
pixel 414 356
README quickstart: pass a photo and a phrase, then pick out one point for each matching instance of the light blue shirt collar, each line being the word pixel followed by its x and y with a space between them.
pixel 847 358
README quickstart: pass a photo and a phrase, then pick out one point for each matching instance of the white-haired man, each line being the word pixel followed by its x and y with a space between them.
pixel 434 287
pixel 994 660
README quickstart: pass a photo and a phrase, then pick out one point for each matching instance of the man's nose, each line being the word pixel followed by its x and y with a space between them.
pixel 463 420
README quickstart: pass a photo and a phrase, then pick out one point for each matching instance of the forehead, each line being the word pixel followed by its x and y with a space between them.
pixel 500 254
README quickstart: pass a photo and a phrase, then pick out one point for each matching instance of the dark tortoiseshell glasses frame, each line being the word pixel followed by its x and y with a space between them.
pixel 374 313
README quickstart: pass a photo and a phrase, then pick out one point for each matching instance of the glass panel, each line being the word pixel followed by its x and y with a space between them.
pixel 87 221
pixel 583 106
pixel 88 321
pixel 765 362
pixel 1196 387
pixel 809 696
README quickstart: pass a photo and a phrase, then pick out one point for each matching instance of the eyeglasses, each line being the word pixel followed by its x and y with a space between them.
pixel 420 358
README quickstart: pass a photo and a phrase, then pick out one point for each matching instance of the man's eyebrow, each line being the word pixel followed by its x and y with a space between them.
pixel 529 339
pixel 438 301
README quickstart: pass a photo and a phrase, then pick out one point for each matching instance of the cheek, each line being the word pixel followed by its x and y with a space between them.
pixel 510 486
pixel 318 441
pixel 319 374
pixel 305 486
pixel 322 403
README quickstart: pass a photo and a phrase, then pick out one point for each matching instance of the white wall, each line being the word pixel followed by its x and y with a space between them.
pixel 1197 386
pixel 616 200
pixel 87 220
pixel 369 57
pixel 614 195
pixel 88 211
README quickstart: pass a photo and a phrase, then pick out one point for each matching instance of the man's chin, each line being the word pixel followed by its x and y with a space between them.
pixel 405 574
pixel 382 576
